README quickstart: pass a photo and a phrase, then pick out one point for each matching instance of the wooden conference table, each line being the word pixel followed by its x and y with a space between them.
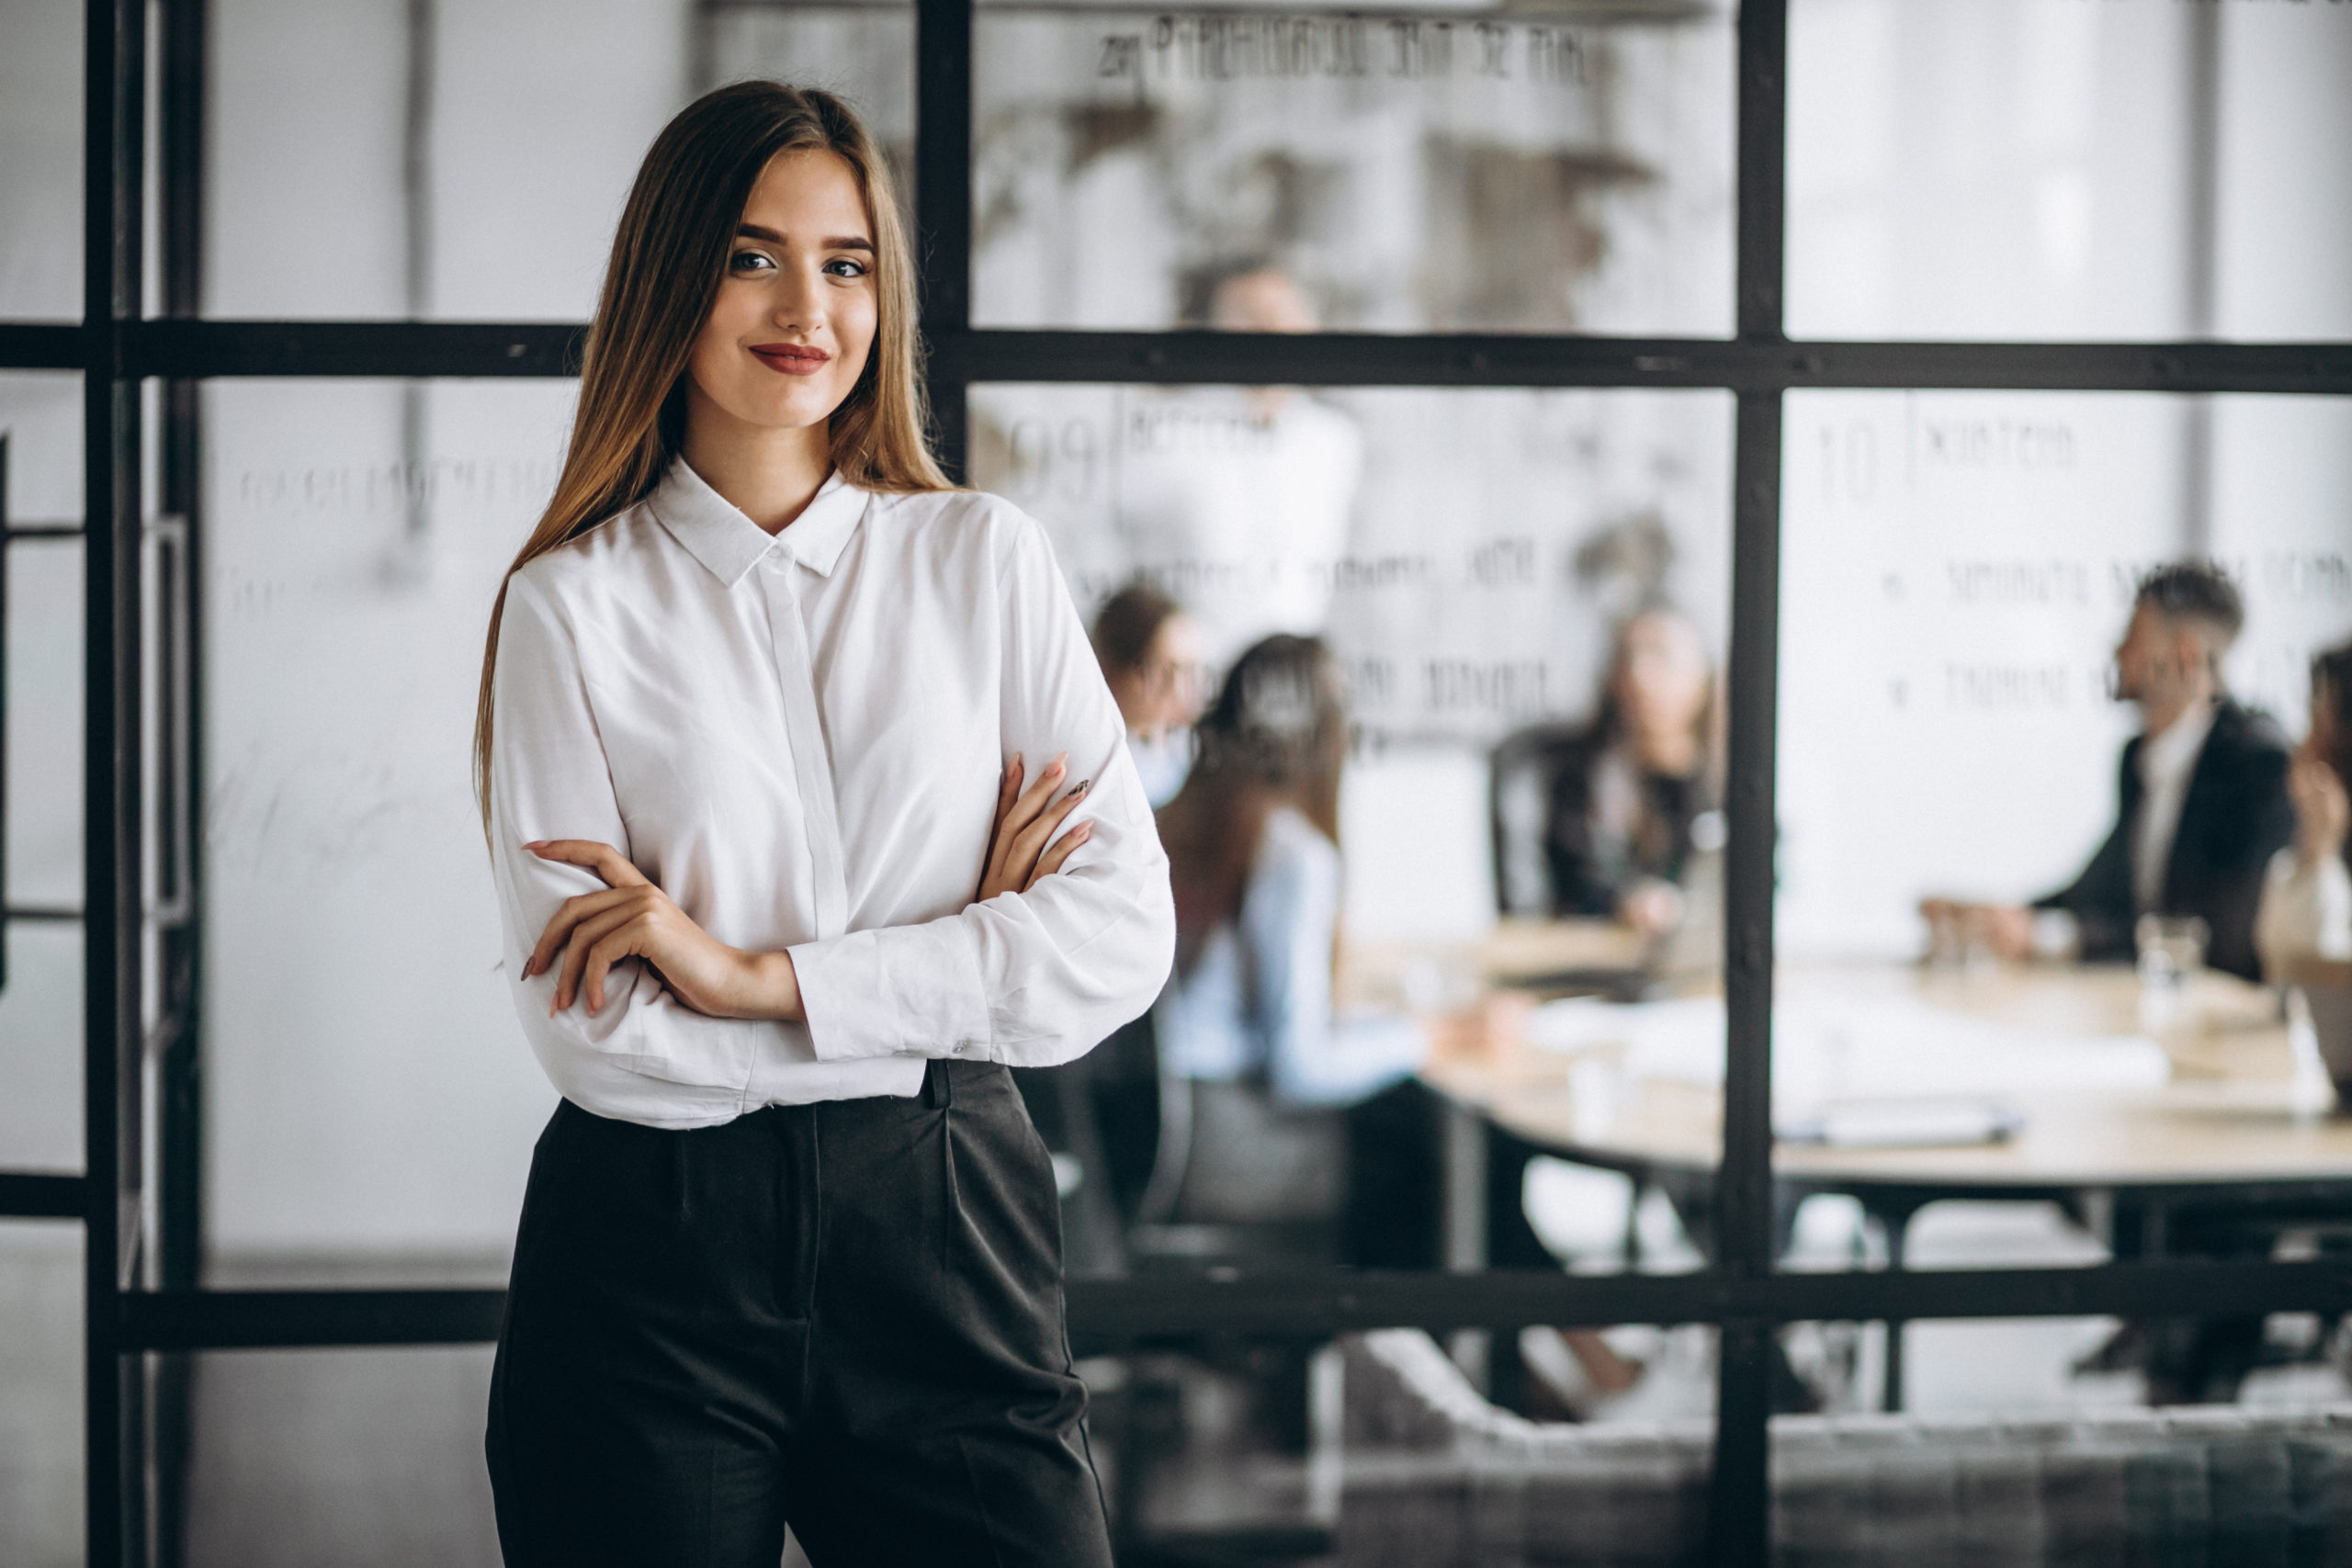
pixel 2229 1127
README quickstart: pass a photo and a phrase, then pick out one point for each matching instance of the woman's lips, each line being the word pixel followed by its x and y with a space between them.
pixel 792 358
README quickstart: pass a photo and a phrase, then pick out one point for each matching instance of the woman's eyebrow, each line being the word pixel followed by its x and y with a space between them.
pixel 839 243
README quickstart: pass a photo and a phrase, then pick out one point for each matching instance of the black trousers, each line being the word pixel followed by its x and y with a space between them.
pixel 846 1316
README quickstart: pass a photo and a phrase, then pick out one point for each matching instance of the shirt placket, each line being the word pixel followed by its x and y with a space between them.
pixel 812 765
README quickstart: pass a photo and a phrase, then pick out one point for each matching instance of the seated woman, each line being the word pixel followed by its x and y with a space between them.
pixel 1631 796
pixel 1247 1028
pixel 1150 653
pixel 2307 896
pixel 1300 1112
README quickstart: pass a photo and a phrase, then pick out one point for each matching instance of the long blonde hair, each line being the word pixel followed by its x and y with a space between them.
pixel 668 257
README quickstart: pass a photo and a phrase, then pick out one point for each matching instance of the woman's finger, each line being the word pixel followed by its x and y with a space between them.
pixel 576 953
pixel 1008 865
pixel 1008 791
pixel 1058 853
pixel 606 951
pixel 1030 842
pixel 603 859
pixel 568 915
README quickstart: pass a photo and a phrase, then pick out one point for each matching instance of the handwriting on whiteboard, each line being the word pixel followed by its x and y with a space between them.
pixel 1232 48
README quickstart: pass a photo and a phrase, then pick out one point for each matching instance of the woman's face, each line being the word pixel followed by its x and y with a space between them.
pixel 1166 690
pixel 792 325
pixel 1661 676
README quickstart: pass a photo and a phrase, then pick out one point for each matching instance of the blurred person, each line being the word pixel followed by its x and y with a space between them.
pixel 2307 894
pixel 1150 653
pixel 1252 841
pixel 2202 800
pixel 1630 793
pixel 781 909
pixel 1299 1110
pixel 1237 500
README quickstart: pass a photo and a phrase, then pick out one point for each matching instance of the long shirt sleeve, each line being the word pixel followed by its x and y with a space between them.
pixel 548 780
pixel 797 738
pixel 1034 979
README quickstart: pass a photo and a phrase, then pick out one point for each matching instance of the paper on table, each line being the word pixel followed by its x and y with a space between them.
pixel 1903 1123
pixel 1868 1048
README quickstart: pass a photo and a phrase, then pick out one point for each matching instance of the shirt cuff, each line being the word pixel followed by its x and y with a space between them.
pixel 898 991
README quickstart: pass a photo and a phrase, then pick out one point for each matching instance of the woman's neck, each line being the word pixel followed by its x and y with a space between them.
pixel 768 475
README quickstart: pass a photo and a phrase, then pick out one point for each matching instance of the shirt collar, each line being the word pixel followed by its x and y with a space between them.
pixel 730 544
pixel 2174 753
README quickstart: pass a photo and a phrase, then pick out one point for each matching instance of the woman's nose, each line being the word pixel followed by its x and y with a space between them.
pixel 796 302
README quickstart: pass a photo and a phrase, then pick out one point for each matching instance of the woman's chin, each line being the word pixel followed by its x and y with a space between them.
pixel 805 407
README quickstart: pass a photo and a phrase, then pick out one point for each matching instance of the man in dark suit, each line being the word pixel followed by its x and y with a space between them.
pixel 2203 801
pixel 2202 804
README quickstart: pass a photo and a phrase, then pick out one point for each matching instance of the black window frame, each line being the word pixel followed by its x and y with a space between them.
pixel 144 1308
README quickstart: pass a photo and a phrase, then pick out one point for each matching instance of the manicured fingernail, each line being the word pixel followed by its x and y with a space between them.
pixel 1082 786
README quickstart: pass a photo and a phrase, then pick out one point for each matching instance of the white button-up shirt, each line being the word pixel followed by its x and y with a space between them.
pixel 2166 761
pixel 798 738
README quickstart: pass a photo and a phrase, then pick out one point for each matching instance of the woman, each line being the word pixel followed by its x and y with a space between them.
pixel 1150 653
pixel 780 910
pixel 1630 797
pixel 1299 1112
pixel 2307 896
pixel 1247 1025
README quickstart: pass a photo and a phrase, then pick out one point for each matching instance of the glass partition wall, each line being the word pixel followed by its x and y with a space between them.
pixel 1823 316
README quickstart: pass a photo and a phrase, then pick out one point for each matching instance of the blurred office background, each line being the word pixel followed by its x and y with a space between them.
pixel 1957 566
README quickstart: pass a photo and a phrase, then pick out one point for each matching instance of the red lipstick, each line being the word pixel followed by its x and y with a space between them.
pixel 792 358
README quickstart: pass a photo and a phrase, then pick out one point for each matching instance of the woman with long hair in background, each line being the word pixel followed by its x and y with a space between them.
pixel 809 814
pixel 1630 797
pixel 1300 1109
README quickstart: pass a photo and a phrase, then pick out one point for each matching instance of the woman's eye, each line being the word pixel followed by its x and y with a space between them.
pixel 843 267
pixel 749 261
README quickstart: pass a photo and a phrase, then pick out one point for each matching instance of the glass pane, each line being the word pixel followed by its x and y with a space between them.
pixel 40 1047
pixel 862 50
pixel 1462 170
pixel 1400 1458
pixel 2048 169
pixel 41 1010
pixel 40 422
pixel 40 1394
pixel 41 173
pixel 1470 558
pixel 468 162
pixel 2098 887
pixel 371 1104
pixel 367 1457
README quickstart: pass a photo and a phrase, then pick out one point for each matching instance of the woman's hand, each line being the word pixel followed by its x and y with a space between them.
pixel 1019 856
pixel 633 919
pixel 1652 906
pixel 2322 811
pixel 1486 1035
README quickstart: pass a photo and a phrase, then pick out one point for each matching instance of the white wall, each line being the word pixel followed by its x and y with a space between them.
pixel 2019 169
pixel 1988 168
pixel 41 172
pixel 366 1086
